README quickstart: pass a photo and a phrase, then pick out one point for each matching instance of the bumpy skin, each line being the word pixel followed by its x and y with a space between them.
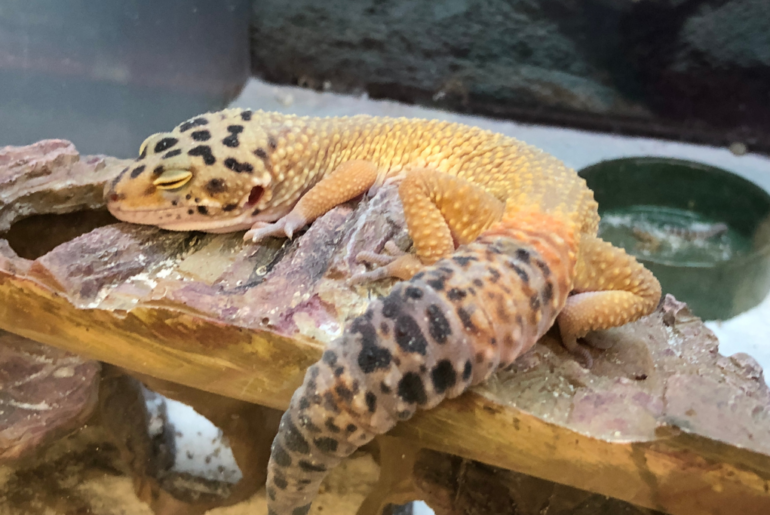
pixel 529 256
pixel 450 327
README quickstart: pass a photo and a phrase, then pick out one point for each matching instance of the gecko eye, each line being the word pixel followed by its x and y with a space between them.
pixel 173 179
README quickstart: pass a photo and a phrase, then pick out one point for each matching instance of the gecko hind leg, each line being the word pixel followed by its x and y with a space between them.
pixel 611 288
pixel 441 212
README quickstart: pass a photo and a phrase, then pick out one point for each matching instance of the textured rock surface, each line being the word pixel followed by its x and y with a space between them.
pixel 695 70
pixel 648 424
pixel 45 393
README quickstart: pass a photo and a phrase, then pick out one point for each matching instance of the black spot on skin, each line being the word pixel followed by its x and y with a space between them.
pixel 235 166
pixel 344 393
pixel 198 122
pixel 174 202
pixel 305 422
pixel 413 293
pixel 543 267
pixel 158 171
pixel 229 207
pixel 232 140
pixel 331 426
pixel 443 376
pixel 326 444
pixel 304 403
pixel 520 272
pixel 522 255
pixel 165 144
pixel 467 370
pixel 330 358
pixel 203 210
pixel 479 357
pixel 495 275
pixel 280 456
pixel 215 186
pixel 272 143
pixel 116 180
pixel 385 388
pixel 411 389
pixel 548 291
pixel 292 438
pixel 371 402
pixel 330 402
pixel 391 306
pixel 190 211
pixel 302 510
pixel 384 328
pixel 201 135
pixel 372 357
pixel 493 342
pixel 197 200
pixel 534 302
pixel 465 318
pixel 172 153
pixel 260 153
pixel 143 154
pixel 280 482
pixel 271 493
pixel 423 368
pixel 437 283
pixel 478 282
pixel 136 172
pixel 438 325
pixel 339 371
pixel 456 294
pixel 309 467
pixel 246 116
pixel 351 428
pixel 463 260
pixel 409 336
pixel 203 151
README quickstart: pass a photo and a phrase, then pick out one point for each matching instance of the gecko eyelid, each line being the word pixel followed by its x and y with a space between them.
pixel 172 179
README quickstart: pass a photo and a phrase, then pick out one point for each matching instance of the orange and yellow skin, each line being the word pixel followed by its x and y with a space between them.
pixel 505 241
pixel 273 173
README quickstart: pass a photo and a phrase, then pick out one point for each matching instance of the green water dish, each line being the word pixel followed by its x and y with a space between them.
pixel 703 231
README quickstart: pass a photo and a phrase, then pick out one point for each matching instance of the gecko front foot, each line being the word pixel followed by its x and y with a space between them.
pixel 283 227
pixel 398 264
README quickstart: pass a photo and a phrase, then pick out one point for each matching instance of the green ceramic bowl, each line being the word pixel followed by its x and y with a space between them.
pixel 704 232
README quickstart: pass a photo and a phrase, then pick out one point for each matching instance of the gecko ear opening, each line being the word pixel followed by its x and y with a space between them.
pixel 255 195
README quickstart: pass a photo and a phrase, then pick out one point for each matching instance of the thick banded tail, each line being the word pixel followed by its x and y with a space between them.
pixel 450 327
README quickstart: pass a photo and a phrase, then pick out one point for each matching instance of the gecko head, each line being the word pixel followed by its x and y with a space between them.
pixel 208 174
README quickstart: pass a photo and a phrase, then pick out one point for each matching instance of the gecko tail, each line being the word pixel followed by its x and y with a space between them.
pixel 450 327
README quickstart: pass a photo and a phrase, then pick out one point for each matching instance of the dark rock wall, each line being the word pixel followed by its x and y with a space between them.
pixel 690 69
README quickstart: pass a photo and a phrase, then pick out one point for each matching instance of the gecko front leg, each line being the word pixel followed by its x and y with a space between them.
pixel 346 182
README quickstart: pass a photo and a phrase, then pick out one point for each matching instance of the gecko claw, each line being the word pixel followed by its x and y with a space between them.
pixel 283 227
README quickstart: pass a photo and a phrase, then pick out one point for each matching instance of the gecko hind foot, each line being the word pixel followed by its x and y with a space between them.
pixel 579 352
pixel 398 264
